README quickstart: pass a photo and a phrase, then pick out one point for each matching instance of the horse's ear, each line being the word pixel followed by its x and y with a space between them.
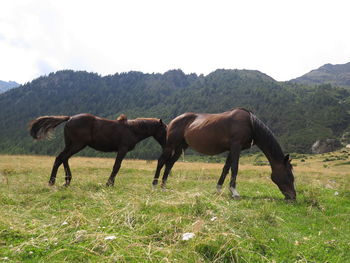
pixel 122 118
pixel 160 121
pixel 287 159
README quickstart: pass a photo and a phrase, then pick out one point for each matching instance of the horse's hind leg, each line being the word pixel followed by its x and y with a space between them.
pixel 73 149
pixel 170 163
pixel 57 163
pixel 68 177
pixel 63 158
pixel 118 161
pixel 166 155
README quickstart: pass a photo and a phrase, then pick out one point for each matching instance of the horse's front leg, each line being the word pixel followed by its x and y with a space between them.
pixel 118 161
pixel 235 152
pixel 224 172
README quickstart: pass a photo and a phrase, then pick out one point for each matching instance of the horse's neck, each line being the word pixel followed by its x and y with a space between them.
pixel 273 153
pixel 141 131
pixel 141 137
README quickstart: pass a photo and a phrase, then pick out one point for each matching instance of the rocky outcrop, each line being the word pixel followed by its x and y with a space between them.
pixel 325 146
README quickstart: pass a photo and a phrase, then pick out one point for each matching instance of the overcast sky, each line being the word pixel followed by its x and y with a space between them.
pixel 281 38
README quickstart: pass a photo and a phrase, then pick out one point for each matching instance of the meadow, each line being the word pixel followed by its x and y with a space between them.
pixel 131 222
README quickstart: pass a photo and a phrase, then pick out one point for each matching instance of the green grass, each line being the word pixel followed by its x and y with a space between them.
pixel 39 223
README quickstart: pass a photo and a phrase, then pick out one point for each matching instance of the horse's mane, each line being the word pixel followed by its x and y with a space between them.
pixel 143 124
pixel 241 108
pixel 265 139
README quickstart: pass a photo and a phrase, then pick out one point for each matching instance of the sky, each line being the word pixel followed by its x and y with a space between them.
pixel 282 38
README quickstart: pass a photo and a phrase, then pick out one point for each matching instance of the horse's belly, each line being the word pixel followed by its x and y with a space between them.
pixel 207 145
pixel 103 147
pixel 206 150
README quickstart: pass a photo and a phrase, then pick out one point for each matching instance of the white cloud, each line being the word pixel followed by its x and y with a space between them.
pixel 281 38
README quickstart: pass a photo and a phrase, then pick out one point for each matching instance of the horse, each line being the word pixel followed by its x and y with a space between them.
pixel 101 134
pixel 231 131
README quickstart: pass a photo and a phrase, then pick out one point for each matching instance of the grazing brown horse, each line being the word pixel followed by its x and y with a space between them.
pixel 83 130
pixel 231 131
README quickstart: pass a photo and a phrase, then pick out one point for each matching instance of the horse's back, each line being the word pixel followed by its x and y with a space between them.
pixel 179 124
pixel 79 126
pixel 207 133
pixel 89 121
pixel 214 133
pixel 98 133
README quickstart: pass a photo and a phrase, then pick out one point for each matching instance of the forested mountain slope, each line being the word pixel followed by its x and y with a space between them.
pixel 298 115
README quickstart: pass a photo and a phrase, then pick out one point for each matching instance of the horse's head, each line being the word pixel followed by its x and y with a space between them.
pixel 160 133
pixel 283 177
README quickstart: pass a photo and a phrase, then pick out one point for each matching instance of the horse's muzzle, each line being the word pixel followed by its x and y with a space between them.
pixel 290 196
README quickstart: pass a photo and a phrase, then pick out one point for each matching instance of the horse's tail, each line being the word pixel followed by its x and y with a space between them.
pixel 41 127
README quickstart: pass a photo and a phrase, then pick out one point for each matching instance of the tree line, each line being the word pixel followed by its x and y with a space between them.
pixel 297 114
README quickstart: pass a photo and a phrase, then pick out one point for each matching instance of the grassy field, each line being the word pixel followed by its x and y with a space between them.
pixel 88 222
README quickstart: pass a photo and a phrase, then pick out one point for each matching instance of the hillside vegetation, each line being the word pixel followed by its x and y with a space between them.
pixel 88 222
pixel 298 115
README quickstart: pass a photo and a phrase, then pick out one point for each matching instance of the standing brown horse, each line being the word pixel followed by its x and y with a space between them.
pixel 230 131
pixel 83 130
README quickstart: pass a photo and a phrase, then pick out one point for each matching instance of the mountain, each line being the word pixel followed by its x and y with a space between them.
pixel 298 115
pixel 7 85
pixel 337 75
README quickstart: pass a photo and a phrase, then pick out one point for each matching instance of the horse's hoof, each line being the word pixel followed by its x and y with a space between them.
pixel 154 183
pixel 51 183
pixel 109 184
pixel 219 189
pixel 234 192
